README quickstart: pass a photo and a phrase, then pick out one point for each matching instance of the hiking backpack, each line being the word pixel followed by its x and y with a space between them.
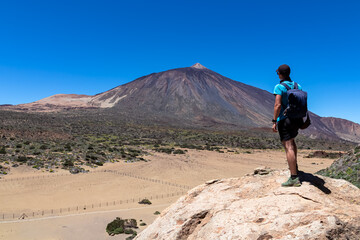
pixel 297 102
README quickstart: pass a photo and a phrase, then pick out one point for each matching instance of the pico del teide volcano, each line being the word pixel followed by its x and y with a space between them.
pixel 192 96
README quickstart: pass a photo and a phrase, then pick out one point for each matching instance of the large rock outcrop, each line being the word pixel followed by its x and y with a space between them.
pixel 257 207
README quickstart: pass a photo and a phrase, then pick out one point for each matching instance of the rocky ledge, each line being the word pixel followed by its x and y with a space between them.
pixel 257 207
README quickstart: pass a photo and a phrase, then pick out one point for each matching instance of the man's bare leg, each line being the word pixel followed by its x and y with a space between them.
pixel 291 155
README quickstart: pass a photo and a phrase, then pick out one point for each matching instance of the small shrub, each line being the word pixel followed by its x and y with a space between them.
pixel 145 201
pixel 2 150
pixel 129 231
pixel 67 147
pixel 165 150
pixel 115 224
pixel 142 224
pixel 357 149
pixel 22 159
pixel 132 236
pixel 178 151
pixel 118 230
pixel 68 163
pixel 44 147
pixel 156 213
pixel 119 226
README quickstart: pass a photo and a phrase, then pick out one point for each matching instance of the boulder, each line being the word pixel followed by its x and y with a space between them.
pixel 257 207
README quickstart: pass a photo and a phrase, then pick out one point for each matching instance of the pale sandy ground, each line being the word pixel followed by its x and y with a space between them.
pixel 61 190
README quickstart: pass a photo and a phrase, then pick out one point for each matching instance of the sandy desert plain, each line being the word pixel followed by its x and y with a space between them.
pixel 61 205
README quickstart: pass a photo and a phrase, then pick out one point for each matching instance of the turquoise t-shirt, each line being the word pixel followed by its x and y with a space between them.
pixel 281 90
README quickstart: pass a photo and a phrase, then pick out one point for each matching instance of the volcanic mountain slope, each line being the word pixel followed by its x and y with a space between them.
pixel 191 96
pixel 56 102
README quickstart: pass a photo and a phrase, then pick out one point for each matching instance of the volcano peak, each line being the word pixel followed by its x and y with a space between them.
pixel 198 66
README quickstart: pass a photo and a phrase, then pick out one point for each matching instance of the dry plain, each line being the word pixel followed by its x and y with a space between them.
pixel 64 206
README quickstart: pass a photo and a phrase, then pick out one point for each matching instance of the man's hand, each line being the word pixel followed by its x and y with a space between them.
pixel 274 127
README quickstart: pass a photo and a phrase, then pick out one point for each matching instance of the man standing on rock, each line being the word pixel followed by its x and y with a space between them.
pixel 287 127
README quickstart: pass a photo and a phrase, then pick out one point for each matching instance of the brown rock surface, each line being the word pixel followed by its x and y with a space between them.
pixel 257 207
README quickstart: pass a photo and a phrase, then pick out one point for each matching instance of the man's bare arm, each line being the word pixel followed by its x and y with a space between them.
pixel 277 109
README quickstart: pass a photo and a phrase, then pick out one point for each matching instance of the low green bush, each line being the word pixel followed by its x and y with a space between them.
pixel 2 150
pixel 44 147
pixel 178 151
pixel 145 201
pixel 112 227
pixel 118 230
pixel 22 159
pixel 119 226
pixel 129 231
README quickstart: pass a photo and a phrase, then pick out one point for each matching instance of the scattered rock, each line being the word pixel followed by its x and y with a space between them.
pixel 212 181
pixel 76 170
pixel 262 171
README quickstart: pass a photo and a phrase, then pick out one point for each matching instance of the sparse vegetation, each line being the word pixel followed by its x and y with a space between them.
pixel 145 201
pixel 68 140
pixel 156 213
pixel 323 154
pixel 178 151
pixel 119 226
pixel 2 150
pixel 347 167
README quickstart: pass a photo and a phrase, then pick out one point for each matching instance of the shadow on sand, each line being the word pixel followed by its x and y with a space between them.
pixel 313 180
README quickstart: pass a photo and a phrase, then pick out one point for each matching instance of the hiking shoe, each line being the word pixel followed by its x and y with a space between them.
pixel 292 182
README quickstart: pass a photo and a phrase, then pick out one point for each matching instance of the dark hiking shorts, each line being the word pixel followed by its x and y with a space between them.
pixel 289 127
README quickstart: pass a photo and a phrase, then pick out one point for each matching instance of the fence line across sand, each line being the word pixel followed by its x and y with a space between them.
pixel 79 208
pixel 126 174
pixel 147 179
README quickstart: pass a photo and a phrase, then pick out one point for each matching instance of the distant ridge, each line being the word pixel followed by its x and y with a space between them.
pixel 192 96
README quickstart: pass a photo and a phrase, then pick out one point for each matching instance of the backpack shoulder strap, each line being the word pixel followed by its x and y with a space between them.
pixel 295 85
pixel 285 85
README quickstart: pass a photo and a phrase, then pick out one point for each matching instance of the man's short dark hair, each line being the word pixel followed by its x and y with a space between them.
pixel 283 70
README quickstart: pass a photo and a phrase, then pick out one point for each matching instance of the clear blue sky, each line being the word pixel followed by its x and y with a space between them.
pixel 87 47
